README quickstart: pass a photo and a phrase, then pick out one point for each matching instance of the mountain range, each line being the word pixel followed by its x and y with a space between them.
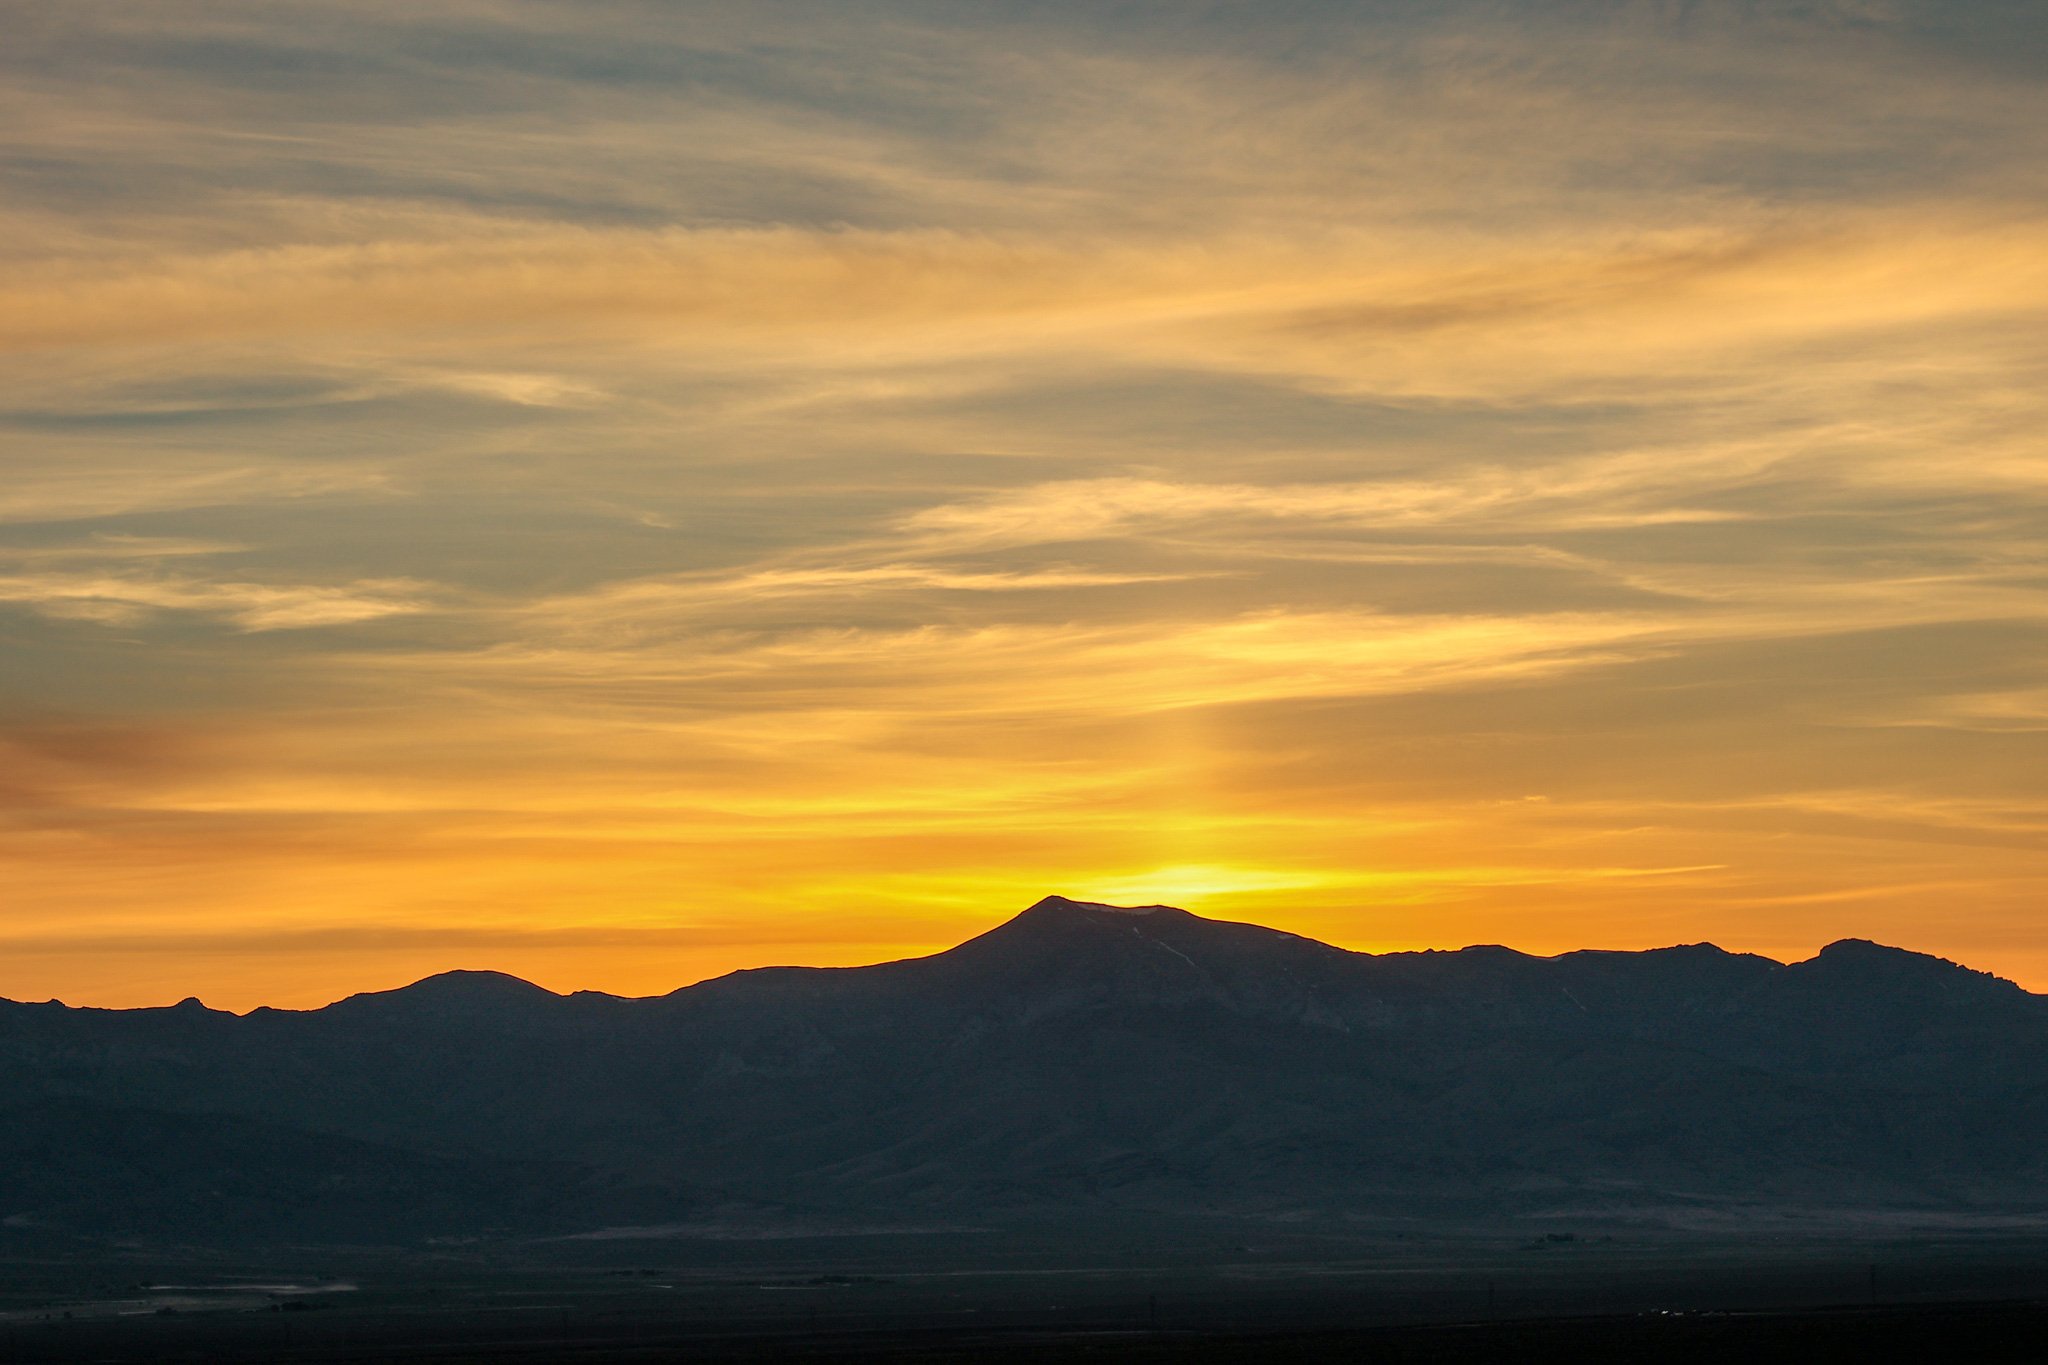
pixel 1080 1058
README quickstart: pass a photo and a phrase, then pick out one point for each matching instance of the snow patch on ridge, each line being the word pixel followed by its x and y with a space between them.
pixel 1100 908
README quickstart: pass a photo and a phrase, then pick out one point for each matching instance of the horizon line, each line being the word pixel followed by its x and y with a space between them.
pixel 191 1001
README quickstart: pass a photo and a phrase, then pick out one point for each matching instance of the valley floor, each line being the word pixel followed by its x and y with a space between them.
pixel 1197 1292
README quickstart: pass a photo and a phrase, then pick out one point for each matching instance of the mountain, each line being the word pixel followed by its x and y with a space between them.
pixel 1080 1058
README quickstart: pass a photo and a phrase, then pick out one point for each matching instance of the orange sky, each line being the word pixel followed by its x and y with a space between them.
pixel 619 494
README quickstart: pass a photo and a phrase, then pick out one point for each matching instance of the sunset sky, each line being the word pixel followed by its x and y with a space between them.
pixel 619 491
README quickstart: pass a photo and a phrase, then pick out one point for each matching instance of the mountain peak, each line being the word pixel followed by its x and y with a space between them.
pixel 473 983
pixel 1859 959
pixel 1863 951
pixel 1125 953
pixel 1863 947
pixel 457 990
pixel 1065 920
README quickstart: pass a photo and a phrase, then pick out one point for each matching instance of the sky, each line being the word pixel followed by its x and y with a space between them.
pixel 618 491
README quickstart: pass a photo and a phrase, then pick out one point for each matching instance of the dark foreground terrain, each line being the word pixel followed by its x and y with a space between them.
pixel 1191 1292
pixel 1989 1332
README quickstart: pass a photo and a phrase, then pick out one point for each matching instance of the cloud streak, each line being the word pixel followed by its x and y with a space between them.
pixel 250 606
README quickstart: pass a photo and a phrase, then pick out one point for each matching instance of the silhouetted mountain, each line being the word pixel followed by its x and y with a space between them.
pixel 1079 1057
pixel 450 997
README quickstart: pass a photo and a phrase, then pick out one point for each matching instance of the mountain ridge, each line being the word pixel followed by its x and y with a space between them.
pixel 1075 1058
pixel 472 984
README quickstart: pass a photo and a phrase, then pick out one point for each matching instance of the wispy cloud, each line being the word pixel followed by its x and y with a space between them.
pixel 124 599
